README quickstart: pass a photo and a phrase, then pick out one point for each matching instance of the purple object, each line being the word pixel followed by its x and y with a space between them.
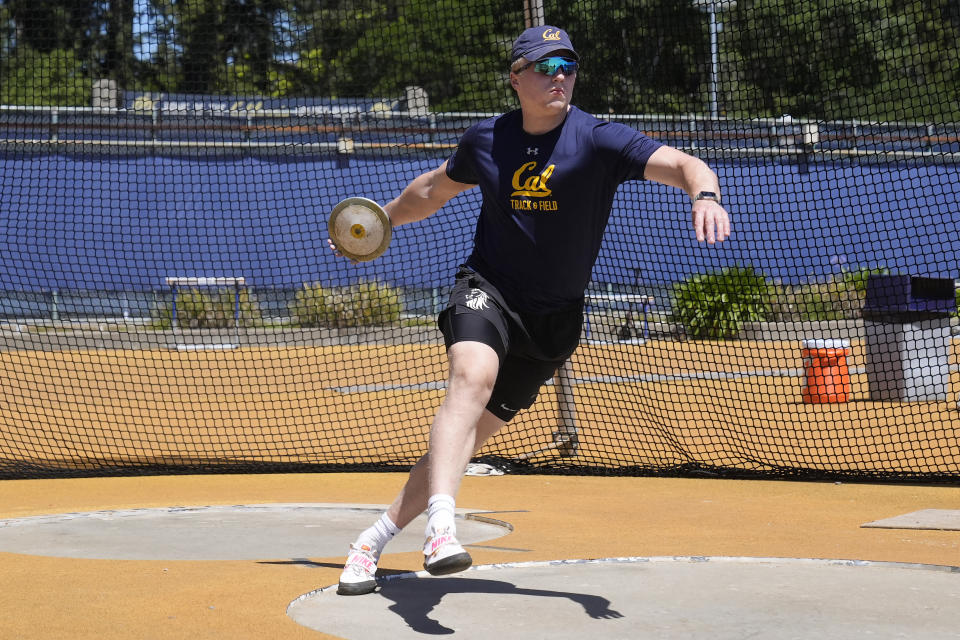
pixel 895 294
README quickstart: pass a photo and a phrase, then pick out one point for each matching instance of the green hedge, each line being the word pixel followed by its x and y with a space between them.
pixel 839 297
pixel 205 309
pixel 716 305
pixel 361 304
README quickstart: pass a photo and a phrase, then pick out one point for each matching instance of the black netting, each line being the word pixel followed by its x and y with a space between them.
pixel 168 302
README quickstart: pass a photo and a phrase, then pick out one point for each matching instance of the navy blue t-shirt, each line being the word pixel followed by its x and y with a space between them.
pixel 546 201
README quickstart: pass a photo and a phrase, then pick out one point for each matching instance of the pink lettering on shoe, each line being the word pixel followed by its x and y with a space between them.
pixel 436 543
pixel 362 560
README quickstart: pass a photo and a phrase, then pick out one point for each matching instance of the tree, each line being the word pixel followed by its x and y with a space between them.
pixel 920 50
pixel 315 33
pixel 823 59
pixel 806 58
pixel 214 46
pixel 462 59
pixel 117 60
pixel 58 48
pixel 639 56
pixel 54 77
pixel 885 60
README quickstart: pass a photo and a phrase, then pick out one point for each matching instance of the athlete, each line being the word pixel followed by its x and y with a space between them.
pixel 548 173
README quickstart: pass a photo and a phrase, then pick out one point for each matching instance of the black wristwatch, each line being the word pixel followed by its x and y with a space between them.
pixel 707 195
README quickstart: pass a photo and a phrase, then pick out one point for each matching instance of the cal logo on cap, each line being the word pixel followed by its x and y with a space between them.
pixel 551 34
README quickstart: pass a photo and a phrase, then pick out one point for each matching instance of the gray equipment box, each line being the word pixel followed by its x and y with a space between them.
pixel 907 337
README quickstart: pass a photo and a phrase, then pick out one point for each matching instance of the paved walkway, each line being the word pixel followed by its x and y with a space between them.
pixel 253 557
pixel 630 598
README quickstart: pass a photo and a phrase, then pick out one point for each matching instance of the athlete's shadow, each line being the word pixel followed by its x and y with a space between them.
pixel 414 599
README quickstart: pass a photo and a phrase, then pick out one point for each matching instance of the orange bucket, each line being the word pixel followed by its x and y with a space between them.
pixel 827 377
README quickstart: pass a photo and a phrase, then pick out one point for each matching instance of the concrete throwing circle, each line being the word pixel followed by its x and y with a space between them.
pixel 650 598
pixel 238 532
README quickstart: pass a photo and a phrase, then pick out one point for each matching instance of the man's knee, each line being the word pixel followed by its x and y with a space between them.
pixel 475 379
pixel 473 369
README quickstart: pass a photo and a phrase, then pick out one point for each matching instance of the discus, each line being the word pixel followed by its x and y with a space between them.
pixel 360 229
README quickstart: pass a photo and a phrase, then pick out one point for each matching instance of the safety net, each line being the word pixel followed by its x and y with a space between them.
pixel 169 302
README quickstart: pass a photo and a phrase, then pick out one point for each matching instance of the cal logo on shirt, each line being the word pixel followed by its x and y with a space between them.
pixel 530 189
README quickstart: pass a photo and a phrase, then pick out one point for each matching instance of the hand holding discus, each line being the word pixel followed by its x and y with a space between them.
pixel 359 229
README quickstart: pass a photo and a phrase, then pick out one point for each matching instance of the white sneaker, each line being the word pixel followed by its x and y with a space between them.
pixel 358 572
pixel 442 554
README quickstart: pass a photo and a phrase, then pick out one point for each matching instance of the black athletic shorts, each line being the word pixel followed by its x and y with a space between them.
pixel 531 347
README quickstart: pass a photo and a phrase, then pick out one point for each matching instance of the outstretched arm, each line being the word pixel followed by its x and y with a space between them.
pixel 420 199
pixel 424 196
pixel 675 168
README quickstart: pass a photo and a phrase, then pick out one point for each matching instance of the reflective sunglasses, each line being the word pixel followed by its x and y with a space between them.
pixel 552 66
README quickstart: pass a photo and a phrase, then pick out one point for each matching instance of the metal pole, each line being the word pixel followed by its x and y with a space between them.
pixel 712 7
pixel 565 438
pixel 173 309
pixel 533 13
pixel 236 310
pixel 714 62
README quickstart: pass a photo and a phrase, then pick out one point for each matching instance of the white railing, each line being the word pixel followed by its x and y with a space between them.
pixel 347 131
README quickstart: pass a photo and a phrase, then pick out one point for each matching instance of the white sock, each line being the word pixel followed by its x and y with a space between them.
pixel 377 536
pixel 440 513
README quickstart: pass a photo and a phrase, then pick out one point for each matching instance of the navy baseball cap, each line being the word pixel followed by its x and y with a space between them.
pixel 536 42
